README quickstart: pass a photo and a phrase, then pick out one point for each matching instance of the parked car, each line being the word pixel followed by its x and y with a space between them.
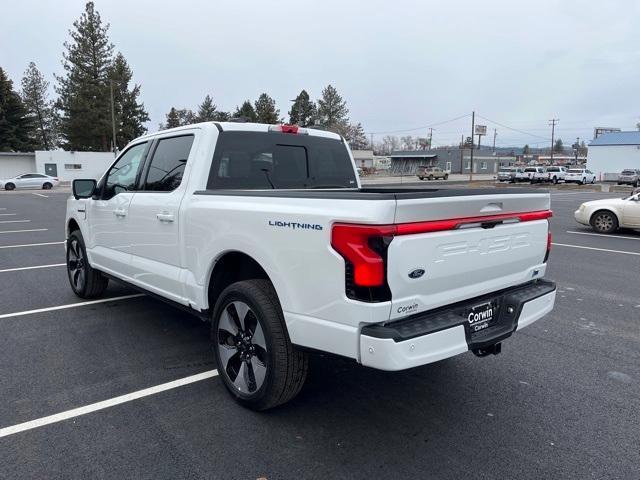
pixel 629 177
pixel 556 174
pixel 520 175
pixel 606 216
pixel 506 174
pixel 272 239
pixel 30 180
pixel 535 174
pixel 431 173
pixel 579 176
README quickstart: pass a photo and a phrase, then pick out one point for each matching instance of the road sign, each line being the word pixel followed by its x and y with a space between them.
pixel 481 130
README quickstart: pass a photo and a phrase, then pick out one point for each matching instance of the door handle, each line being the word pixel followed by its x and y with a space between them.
pixel 165 217
pixel 120 212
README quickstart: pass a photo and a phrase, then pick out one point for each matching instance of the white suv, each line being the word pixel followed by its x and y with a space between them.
pixel 579 176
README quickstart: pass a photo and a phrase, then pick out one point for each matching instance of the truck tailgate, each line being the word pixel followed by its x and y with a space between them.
pixel 481 244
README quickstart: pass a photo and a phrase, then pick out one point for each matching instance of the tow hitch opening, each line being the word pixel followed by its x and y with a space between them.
pixel 494 349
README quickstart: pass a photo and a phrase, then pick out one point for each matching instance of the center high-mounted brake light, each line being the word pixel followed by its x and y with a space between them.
pixel 294 129
pixel 361 245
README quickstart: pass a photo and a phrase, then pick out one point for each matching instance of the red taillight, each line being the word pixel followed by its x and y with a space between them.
pixel 353 243
pixel 294 129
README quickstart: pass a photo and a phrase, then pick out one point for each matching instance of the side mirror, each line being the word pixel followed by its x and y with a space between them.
pixel 83 188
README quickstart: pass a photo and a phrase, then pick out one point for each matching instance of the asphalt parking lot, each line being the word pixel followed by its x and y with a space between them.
pixel 562 400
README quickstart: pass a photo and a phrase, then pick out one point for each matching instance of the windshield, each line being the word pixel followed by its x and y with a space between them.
pixel 506 170
pixel 573 170
pixel 628 172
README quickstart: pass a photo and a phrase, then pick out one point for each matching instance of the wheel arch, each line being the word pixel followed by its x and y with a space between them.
pixel 608 210
pixel 230 267
pixel 72 226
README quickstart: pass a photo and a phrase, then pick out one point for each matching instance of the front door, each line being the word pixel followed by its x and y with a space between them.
pixel 154 214
pixel 631 212
pixel 108 245
pixel 51 169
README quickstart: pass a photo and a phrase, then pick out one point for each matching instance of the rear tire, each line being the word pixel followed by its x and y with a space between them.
pixel 446 177
pixel 430 177
pixel 593 180
pixel 555 180
pixel 85 281
pixel 604 221
pixel 47 186
pixel 258 364
pixel 421 178
pixel 9 186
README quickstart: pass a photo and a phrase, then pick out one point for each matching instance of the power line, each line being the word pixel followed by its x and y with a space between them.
pixel 511 128
pixel 421 128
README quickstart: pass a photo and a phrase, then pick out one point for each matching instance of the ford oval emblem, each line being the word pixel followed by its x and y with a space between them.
pixel 417 273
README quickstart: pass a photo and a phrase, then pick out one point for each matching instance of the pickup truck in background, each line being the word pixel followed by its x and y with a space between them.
pixel 266 231
pixel 556 174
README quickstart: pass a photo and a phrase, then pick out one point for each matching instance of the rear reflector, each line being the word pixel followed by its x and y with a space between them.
pixel 549 241
pixel 295 129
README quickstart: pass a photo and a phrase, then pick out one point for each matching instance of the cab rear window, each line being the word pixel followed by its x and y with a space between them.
pixel 271 160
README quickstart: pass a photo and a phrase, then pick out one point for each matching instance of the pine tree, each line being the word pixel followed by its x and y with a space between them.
pixel 16 127
pixel 130 115
pixel 222 116
pixel 356 137
pixel 526 150
pixel 40 109
pixel 246 112
pixel 559 146
pixel 303 110
pixel 332 110
pixel 84 102
pixel 207 111
pixel 173 120
pixel 266 111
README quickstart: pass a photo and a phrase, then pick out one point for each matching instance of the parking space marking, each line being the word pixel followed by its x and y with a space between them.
pixel 17 269
pixel 40 195
pixel 70 305
pixel 7 214
pixel 15 221
pixel 31 245
pixel 603 235
pixel 593 248
pixel 20 231
pixel 76 412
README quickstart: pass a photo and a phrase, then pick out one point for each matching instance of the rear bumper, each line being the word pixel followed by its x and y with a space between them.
pixel 427 338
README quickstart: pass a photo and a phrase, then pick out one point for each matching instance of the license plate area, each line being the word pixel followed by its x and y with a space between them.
pixel 485 323
pixel 482 317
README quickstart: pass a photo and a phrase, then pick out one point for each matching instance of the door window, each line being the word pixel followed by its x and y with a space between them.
pixel 122 175
pixel 168 162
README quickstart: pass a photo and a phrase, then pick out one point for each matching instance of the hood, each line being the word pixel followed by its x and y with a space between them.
pixel 605 201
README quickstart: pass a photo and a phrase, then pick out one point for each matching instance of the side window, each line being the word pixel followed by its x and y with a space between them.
pixel 168 162
pixel 122 176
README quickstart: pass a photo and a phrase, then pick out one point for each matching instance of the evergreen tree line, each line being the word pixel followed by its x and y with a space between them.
pixel 330 112
pixel 80 118
pixel 97 80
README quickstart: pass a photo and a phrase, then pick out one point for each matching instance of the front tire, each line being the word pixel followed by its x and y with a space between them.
pixel 256 360
pixel 421 178
pixel 604 221
pixel 9 186
pixel 85 281
pixel 446 177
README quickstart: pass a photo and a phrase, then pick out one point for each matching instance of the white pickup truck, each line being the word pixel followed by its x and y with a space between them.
pixel 266 231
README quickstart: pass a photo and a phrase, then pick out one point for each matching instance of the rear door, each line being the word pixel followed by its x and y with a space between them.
pixel 154 231
pixel 470 260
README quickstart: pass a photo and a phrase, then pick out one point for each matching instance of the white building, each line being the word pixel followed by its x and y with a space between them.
pixel 612 152
pixel 14 164
pixel 67 166
pixel 363 158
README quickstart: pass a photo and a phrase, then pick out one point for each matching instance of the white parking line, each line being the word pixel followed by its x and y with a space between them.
pixel 2 208
pixel 15 221
pixel 40 195
pixel 7 214
pixel 31 245
pixel 20 231
pixel 603 235
pixel 70 305
pixel 94 407
pixel 593 248
pixel 32 268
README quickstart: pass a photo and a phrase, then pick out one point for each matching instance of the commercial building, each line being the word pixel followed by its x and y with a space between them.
pixel 453 160
pixel 65 165
pixel 612 152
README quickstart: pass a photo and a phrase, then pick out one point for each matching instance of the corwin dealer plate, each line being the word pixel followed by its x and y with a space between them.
pixel 482 317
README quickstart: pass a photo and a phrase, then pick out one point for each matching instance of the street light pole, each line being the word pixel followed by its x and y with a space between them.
pixel 473 126
pixel 553 130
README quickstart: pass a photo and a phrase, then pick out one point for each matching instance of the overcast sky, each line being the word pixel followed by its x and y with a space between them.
pixel 400 65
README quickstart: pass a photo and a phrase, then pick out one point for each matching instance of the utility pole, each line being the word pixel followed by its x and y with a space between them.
pixel 430 137
pixel 372 142
pixel 495 133
pixel 473 126
pixel 553 122
pixel 113 119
